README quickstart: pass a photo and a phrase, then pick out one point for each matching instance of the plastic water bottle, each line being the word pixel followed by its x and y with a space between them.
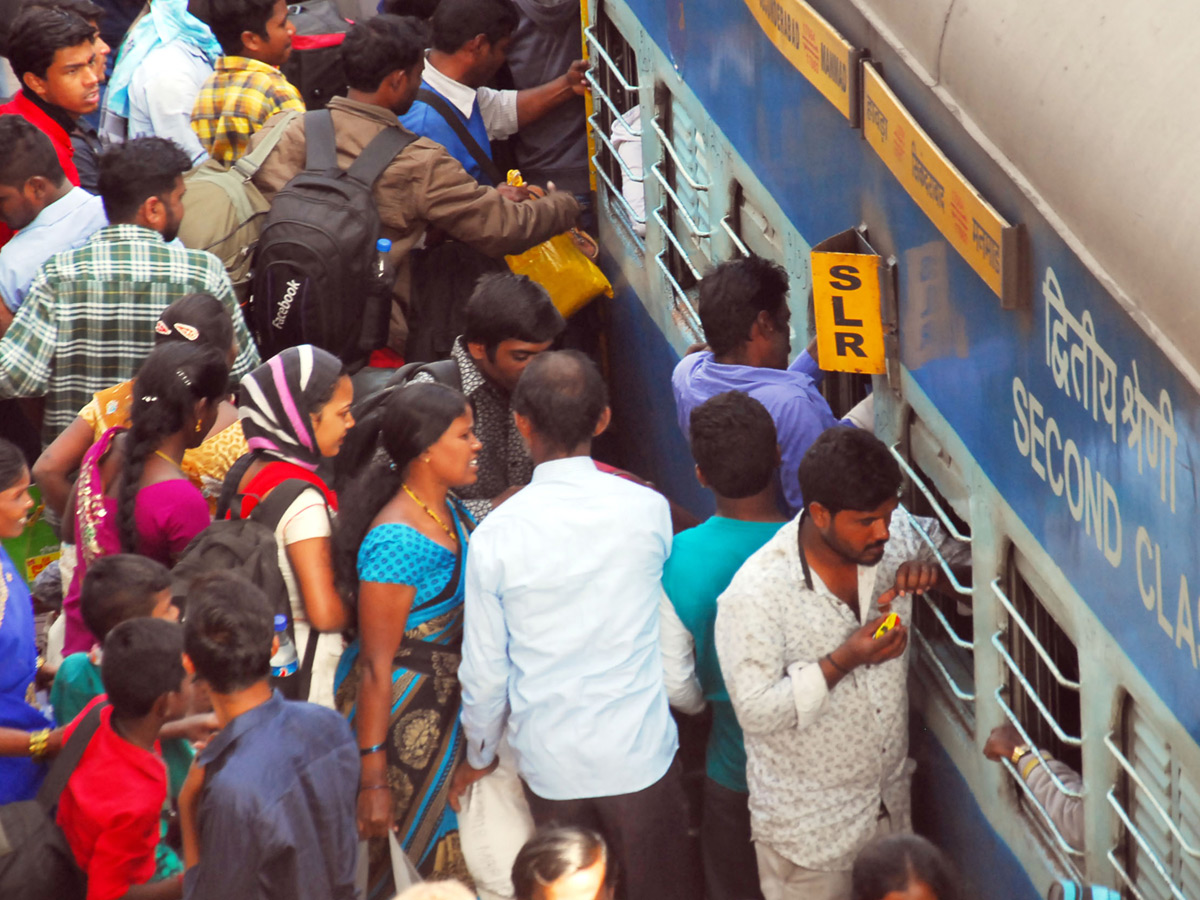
pixel 383 247
pixel 285 661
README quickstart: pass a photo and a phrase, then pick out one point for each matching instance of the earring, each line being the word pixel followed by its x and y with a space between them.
pixel 197 426
pixel 425 459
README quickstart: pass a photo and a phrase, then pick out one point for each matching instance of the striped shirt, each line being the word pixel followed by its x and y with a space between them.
pixel 87 322
pixel 239 96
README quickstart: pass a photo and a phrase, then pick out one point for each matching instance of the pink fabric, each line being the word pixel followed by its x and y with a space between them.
pixel 168 515
pixel 288 402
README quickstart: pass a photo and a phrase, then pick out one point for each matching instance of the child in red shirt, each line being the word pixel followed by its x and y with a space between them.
pixel 110 810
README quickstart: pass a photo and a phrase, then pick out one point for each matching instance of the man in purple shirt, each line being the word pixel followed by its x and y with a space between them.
pixel 744 311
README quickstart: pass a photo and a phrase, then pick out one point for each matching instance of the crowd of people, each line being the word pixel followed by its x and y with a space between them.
pixel 322 638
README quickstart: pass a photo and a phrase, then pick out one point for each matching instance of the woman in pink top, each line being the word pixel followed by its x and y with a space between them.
pixel 131 495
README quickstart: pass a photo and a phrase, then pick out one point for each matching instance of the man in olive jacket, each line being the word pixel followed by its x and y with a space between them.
pixel 424 187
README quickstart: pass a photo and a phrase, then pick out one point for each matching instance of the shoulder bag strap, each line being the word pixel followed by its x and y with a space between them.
pixel 320 146
pixel 445 371
pixel 485 163
pixel 378 155
pixel 250 163
pixel 68 758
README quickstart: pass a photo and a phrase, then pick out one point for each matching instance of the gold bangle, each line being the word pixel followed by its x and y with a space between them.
pixel 37 743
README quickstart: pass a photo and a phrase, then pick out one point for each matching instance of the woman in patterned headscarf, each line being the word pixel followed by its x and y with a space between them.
pixel 295 412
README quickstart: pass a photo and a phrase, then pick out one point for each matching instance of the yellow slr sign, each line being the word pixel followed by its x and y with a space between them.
pixel 846 307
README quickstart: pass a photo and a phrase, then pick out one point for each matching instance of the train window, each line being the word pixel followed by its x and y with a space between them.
pixel 682 175
pixel 1042 693
pixel 943 627
pixel 617 127
pixel 1158 803
pixel 750 230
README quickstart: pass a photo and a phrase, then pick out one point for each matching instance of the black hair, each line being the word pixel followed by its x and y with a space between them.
pixel 374 49
pixel 421 9
pixel 199 318
pixel 229 18
pixel 172 379
pixel 507 307
pixel 39 32
pixel 735 444
pixel 563 396
pixel 85 9
pixel 13 464
pixel 848 468
pixel 26 152
pixel 228 631
pixel 412 419
pixel 457 21
pixel 556 852
pixel 132 171
pixel 894 862
pixel 732 296
pixel 142 660
pixel 120 587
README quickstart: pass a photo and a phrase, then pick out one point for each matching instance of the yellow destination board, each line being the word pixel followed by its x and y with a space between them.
pixel 980 234
pixel 846 309
pixel 813 46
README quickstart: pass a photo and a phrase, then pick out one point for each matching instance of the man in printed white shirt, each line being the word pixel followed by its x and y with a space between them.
pixel 823 701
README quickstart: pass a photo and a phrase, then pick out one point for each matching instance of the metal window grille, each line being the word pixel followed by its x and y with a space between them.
pixel 682 175
pixel 1158 804
pixel 614 81
pixel 943 628
pixel 1042 699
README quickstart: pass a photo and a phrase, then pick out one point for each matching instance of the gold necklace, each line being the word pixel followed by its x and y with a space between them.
pixel 417 500
pixel 164 456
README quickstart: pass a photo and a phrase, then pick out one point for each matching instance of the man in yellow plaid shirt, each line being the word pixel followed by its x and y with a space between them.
pixel 246 87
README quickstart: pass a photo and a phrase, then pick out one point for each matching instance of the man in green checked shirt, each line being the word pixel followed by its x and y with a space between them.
pixel 88 319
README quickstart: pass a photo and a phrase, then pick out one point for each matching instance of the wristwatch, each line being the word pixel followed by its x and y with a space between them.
pixel 1018 752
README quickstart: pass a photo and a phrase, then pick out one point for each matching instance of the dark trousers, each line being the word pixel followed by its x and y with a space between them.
pixel 730 865
pixel 646 833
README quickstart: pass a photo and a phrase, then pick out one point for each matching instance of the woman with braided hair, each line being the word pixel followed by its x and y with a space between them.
pixel 132 495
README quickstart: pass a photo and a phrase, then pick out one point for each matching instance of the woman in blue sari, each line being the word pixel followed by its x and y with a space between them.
pixel 19 777
pixel 400 552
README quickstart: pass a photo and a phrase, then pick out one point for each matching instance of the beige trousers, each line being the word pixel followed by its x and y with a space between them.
pixel 782 879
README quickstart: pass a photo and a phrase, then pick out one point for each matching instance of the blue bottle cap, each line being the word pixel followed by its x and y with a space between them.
pixel 281 622
pixel 383 245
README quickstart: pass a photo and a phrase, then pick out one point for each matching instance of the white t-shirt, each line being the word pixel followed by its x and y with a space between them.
pixel 308 517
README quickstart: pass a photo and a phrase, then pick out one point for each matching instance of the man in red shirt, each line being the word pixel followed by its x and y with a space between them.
pixel 110 809
pixel 53 54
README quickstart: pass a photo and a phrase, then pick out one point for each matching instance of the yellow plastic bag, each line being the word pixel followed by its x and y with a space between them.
pixel 569 277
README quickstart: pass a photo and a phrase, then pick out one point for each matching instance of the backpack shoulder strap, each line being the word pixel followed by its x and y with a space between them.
pixel 68 758
pixel 485 163
pixel 320 146
pixel 283 495
pixel 229 487
pixel 378 154
pixel 249 164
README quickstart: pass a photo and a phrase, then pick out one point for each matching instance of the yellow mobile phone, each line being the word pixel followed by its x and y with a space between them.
pixel 888 624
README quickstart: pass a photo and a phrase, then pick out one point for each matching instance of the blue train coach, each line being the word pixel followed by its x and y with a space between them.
pixel 1021 171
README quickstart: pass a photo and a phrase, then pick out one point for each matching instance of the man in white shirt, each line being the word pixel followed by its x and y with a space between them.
pixel 820 695
pixel 470 40
pixel 561 648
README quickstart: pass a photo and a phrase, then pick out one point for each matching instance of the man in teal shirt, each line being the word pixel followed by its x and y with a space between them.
pixel 734 444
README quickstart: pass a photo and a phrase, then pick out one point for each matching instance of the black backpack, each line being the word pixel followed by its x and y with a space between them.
pixel 315 63
pixel 35 860
pixel 247 546
pixel 315 278
pixel 372 388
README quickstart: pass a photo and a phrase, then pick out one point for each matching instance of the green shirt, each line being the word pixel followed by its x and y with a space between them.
pixel 703 561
